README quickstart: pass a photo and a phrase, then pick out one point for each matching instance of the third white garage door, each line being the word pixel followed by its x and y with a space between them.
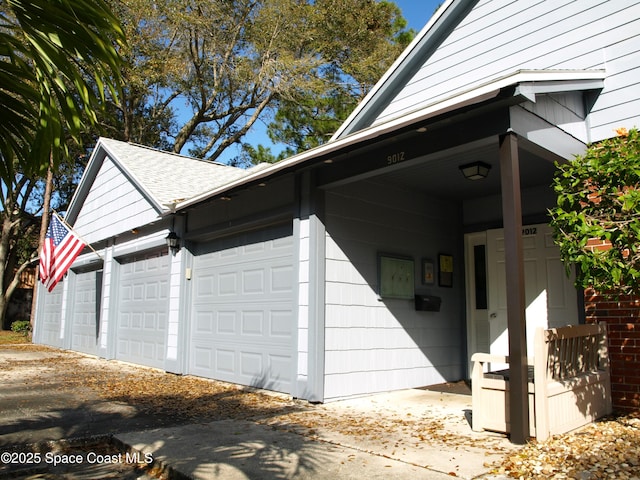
pixel 242 315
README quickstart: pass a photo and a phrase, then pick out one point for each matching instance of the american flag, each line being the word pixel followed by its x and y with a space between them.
pixel 60 249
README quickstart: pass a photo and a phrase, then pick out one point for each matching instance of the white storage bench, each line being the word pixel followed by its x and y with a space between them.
pixel 569 383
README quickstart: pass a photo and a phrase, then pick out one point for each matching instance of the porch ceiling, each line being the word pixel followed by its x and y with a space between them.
pixel 439 174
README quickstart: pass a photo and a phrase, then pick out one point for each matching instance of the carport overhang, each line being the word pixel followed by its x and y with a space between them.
pixel 487 123
pixel 453 113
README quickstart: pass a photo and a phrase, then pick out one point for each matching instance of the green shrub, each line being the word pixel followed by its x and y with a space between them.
pixel 597 218
pixel 21 326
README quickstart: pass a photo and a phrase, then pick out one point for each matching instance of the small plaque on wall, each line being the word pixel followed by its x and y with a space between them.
pixel 396 276
pixel 445 264
pixel 428 272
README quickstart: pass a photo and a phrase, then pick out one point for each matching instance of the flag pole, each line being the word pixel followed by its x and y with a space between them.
pixel 76 233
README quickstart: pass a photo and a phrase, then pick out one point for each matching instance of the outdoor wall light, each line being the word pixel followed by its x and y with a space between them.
pixel 475 170
pixel 173 242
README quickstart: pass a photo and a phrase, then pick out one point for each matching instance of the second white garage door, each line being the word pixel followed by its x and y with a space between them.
pixel 84 311
pixel 143 305
pixel 242 312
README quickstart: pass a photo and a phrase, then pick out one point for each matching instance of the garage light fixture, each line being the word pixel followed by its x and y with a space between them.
pixel 475 170
pixel 173 242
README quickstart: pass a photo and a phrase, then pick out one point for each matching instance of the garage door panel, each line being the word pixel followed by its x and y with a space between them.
pixel 281 323
pixel 84 313
pixel 257 283
pixel 243 364
pixel 143 309
pixel 242 310
pixel 282 279
pixel 50 326
pixel 235 322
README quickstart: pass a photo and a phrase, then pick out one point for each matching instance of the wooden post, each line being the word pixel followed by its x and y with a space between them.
pixel 514 263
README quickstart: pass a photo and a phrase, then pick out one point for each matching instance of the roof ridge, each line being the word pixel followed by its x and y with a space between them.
pixel 167 152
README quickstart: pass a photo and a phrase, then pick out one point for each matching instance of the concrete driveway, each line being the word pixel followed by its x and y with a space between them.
pixel 50 395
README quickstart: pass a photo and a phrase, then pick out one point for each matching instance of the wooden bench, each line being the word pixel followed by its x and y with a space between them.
pixel 569 383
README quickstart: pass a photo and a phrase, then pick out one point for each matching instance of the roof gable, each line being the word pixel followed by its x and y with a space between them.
pixel 112 205
pixel 125 186
pixel 168 178
pixel 474 42
pixel 395 79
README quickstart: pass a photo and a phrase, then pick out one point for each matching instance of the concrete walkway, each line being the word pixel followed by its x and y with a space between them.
pixel 233 449
pixel 358 438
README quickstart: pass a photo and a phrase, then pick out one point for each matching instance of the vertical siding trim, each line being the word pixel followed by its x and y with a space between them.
pixel 299 375
pixel 317 259
pixel 38 330
pixel 309 232
pixel 111 316
pixel 184 312
pixel 66 314
pixel 103 345
pixel 172 339
pixel 176 355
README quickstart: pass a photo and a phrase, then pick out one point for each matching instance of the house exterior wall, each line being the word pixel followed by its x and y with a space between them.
pixel 622 317
pixel 112 206
pixel 551 34
pixel 309 250
pixel 374 344
pixel 566 110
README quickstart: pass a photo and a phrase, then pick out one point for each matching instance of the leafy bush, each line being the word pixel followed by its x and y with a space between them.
pixel 597 218
pixel 21 326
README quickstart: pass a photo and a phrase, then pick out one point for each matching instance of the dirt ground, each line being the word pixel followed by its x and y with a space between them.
pixel 606 449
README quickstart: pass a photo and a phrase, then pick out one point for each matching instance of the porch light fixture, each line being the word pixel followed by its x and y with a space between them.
pixel 173 242
pixel 475 170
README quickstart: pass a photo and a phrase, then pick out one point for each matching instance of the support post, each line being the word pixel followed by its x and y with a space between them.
pixel 512 217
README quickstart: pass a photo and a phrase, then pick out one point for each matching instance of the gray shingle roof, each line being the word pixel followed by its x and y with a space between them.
pixel 167 177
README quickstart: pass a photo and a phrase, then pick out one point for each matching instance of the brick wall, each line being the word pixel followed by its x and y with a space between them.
pixel 622 316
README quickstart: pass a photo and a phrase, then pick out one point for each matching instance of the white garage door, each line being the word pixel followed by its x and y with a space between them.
pixel 143 304
pixel 48 322
pixel 242 321
pixel 84 312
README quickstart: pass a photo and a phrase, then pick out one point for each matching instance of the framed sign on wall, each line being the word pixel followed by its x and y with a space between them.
pixel 445 264
pixel 428 272
pixel 396 276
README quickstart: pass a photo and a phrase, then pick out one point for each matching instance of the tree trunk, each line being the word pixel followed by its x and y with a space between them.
pixel 44 224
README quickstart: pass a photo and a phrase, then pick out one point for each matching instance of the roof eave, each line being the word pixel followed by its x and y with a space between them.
pixel 412 58
pixel 560 80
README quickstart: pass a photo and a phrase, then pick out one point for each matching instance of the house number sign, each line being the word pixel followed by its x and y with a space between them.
pixel 529 231
pixel 396 157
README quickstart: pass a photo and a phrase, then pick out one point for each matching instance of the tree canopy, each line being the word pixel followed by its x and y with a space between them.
pixel 58 61
pixel 58 65
pixel 225 65
pixel 597 217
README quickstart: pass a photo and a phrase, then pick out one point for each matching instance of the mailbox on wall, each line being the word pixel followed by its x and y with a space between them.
pixel 428 303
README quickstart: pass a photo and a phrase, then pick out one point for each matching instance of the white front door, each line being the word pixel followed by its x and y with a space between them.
pixel 551 298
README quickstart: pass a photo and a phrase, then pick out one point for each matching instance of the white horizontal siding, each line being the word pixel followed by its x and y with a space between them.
pixel 112 206
pixel 499 37
pixel 375 344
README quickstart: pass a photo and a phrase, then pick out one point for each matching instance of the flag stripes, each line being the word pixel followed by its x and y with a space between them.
pixel 61 247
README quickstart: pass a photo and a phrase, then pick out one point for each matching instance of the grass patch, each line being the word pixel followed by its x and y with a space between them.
pixel 8 337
